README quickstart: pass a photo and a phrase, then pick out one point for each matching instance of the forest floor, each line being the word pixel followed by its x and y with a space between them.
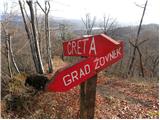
pixel 115 98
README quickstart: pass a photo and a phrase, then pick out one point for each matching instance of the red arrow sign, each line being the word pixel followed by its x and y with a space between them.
pixel 109 53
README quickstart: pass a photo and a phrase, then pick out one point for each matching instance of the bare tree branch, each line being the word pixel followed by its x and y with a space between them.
pixel 132 43
pixel 142 42
pixel 140 24
pixel 139 5
pixel 111 24
pixel 40 7
pixel 48 9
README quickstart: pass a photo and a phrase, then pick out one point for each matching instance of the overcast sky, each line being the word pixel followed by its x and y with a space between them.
pixel 125 11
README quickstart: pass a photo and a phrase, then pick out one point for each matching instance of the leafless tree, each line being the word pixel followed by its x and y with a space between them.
pixel 47 35
pixel 8 57
pixel 5 23
pixel 89 23
pixel 108 25
pixel 137 44
pixel 9 38
pixel 29 35
pixel 9 51
pixel 32 36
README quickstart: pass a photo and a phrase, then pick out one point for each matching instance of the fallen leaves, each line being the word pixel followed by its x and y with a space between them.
pixel 115 99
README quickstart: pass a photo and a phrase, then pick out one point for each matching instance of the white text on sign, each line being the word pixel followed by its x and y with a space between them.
pixel 75 75
pixel 99 62
pixel 79 47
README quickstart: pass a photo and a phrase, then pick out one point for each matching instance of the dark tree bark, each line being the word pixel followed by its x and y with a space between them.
pixel 88 98
pixel 141 62
pixel 83 109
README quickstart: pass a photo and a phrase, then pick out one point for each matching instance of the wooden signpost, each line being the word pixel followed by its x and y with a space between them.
pixel 99 51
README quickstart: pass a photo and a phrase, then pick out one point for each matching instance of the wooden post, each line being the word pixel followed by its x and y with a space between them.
pixel 88 97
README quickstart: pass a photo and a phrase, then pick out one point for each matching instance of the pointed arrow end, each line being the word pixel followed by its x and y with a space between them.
pixel 110 39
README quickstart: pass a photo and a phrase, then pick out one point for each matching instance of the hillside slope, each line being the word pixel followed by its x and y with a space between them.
pixel 115 98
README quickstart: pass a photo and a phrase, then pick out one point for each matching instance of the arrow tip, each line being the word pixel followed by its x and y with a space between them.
pixel 110 39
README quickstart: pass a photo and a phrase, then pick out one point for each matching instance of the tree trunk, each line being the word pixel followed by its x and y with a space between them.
pixel 141 62
pixel 38 30
pixel 11 53
pixel 37 51
pixel 48 41
pixel 8 56
pixel 132 61
pixel 29 35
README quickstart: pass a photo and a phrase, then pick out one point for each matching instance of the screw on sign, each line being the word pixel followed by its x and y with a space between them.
pixel 100 50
